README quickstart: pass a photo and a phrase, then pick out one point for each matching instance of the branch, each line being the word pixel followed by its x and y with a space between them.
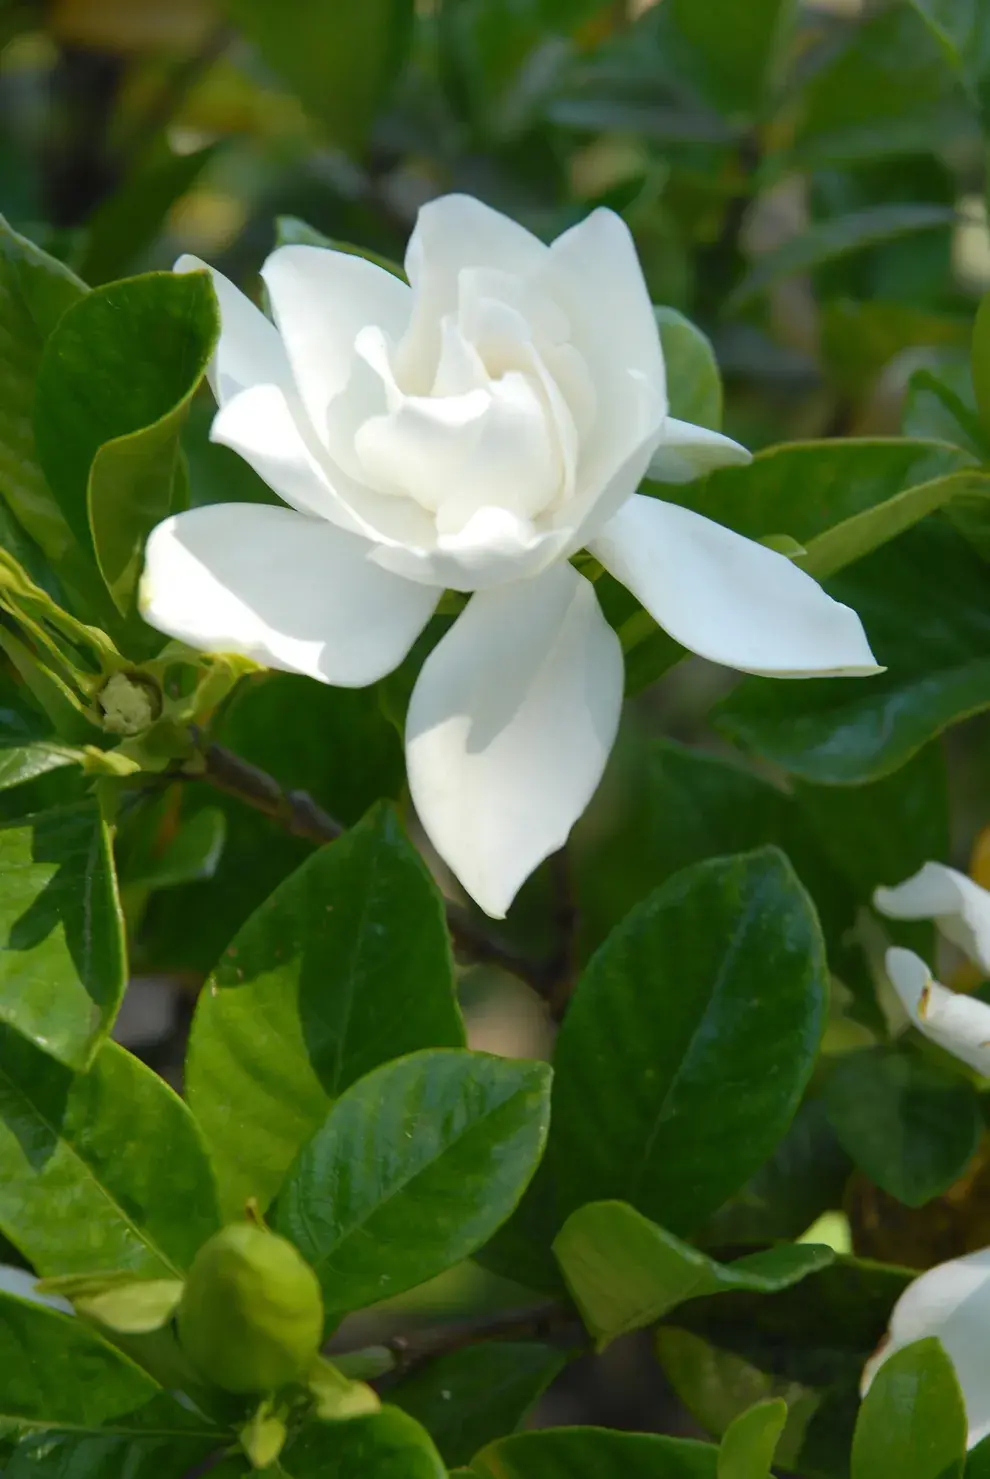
pixel 297 813
pixel 547 1322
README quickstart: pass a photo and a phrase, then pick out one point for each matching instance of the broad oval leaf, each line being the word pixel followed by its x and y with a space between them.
pixel 694 384
pixel 913 1420
pixel 387 1445
pixel 62 966
pixel 100 1170
pixel 114 386
pixel 925 602
pixel 910 1125
pixel 344 967
pixel 415 1167
pixel 625 1272
pixel 595 1453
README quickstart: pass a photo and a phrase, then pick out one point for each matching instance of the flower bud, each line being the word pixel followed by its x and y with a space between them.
pixel 129 703
pixel 251 1317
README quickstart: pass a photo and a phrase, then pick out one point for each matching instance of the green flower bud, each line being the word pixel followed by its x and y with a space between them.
pixel 251 1316
pixel 129 703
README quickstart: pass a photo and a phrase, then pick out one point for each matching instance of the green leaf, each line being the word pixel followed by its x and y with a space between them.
pixel 291 231
pixel 192 853
pixel 737 48
pixel 101 1170
pixel 913 1420
pixel 962 30
pixel 859 339
pixel 347 965
pixel 595 1453
pixel 840 500
pixel 57 1370
pixel 340 59
pixel 62 966
pixel 978 1461
pixel 35 291
pixel 980 360
pixel 625 1272
pixel 693 380
pixel 114 386
pixel 22 763
pixel 940 406
pixel 750 1441
pixel 837 237
pixel 387 1445
pixel 416 1166
pixel 911 1126
pixel 157 1439
pixel 663 1018
pixel 925 603
pixel 468 1398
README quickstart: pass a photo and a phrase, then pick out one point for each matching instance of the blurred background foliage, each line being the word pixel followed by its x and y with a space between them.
pixel 805 181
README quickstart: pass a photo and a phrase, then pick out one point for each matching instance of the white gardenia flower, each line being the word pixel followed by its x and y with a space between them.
pixel 961 908
pixel 952 1303
pixel 472 430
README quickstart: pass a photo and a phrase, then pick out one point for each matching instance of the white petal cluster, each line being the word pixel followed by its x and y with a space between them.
pixel 471 430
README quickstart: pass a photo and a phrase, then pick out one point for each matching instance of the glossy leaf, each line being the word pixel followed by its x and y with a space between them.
pixel 35 291
pixel 468 1398
pixel 911 1126
pixel 839 500
pixel 415 1167
pixel 22 763
pixel 913 1420
pixel 114 386
pixel 341 60
pixel 747 1449
pixel 663 1018
pixel 694 384
pixel 387 1445
pixel 157 1439
pixel 625 1272
pixel 595 1453
pixel 62 965
pixel 346 966
pixel 102 1170
pixel 925 602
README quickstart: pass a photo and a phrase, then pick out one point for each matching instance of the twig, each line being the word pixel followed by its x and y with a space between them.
pixel 297 813
pixel 547 1322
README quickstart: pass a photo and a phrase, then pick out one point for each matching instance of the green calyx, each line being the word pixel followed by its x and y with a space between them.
pixel 251 1315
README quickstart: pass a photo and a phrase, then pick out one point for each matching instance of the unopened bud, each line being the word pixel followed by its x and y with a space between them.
pixel 130 703
pixel 251 1317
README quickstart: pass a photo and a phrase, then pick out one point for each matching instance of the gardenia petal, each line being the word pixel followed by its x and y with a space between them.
pixel 958 1023
pixel 321 300
pixel 952 1303
pixel 687 452
pixel 729 599
pixel 286 590
pixel 509 727
pixel 249 351
pixel 958 905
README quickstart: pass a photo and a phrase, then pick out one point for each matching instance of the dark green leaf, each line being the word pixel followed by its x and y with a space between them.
pixel 925 602
pixel 35 291
pixel 389 1445
pixel 980 360
pixel 346 966
pixel 962 30
pixel 913 1420
pixel 750 1441
pixel 859 339
pixel 62 967
pixel 57 1370
pixel 192 853
pixel 340 59
pixel 101 1170
pixel 160 1440
pixel 469 1398
pixel 595 1453
pixel 22 763
pixel 675 1072
pixel 940 406
pixel 693 381
pixel 978 1461
pixel 912 1127
pixel 625 1272
pixel 114 386
pixel 736 48
pixel 840 500
pixel 416 1166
